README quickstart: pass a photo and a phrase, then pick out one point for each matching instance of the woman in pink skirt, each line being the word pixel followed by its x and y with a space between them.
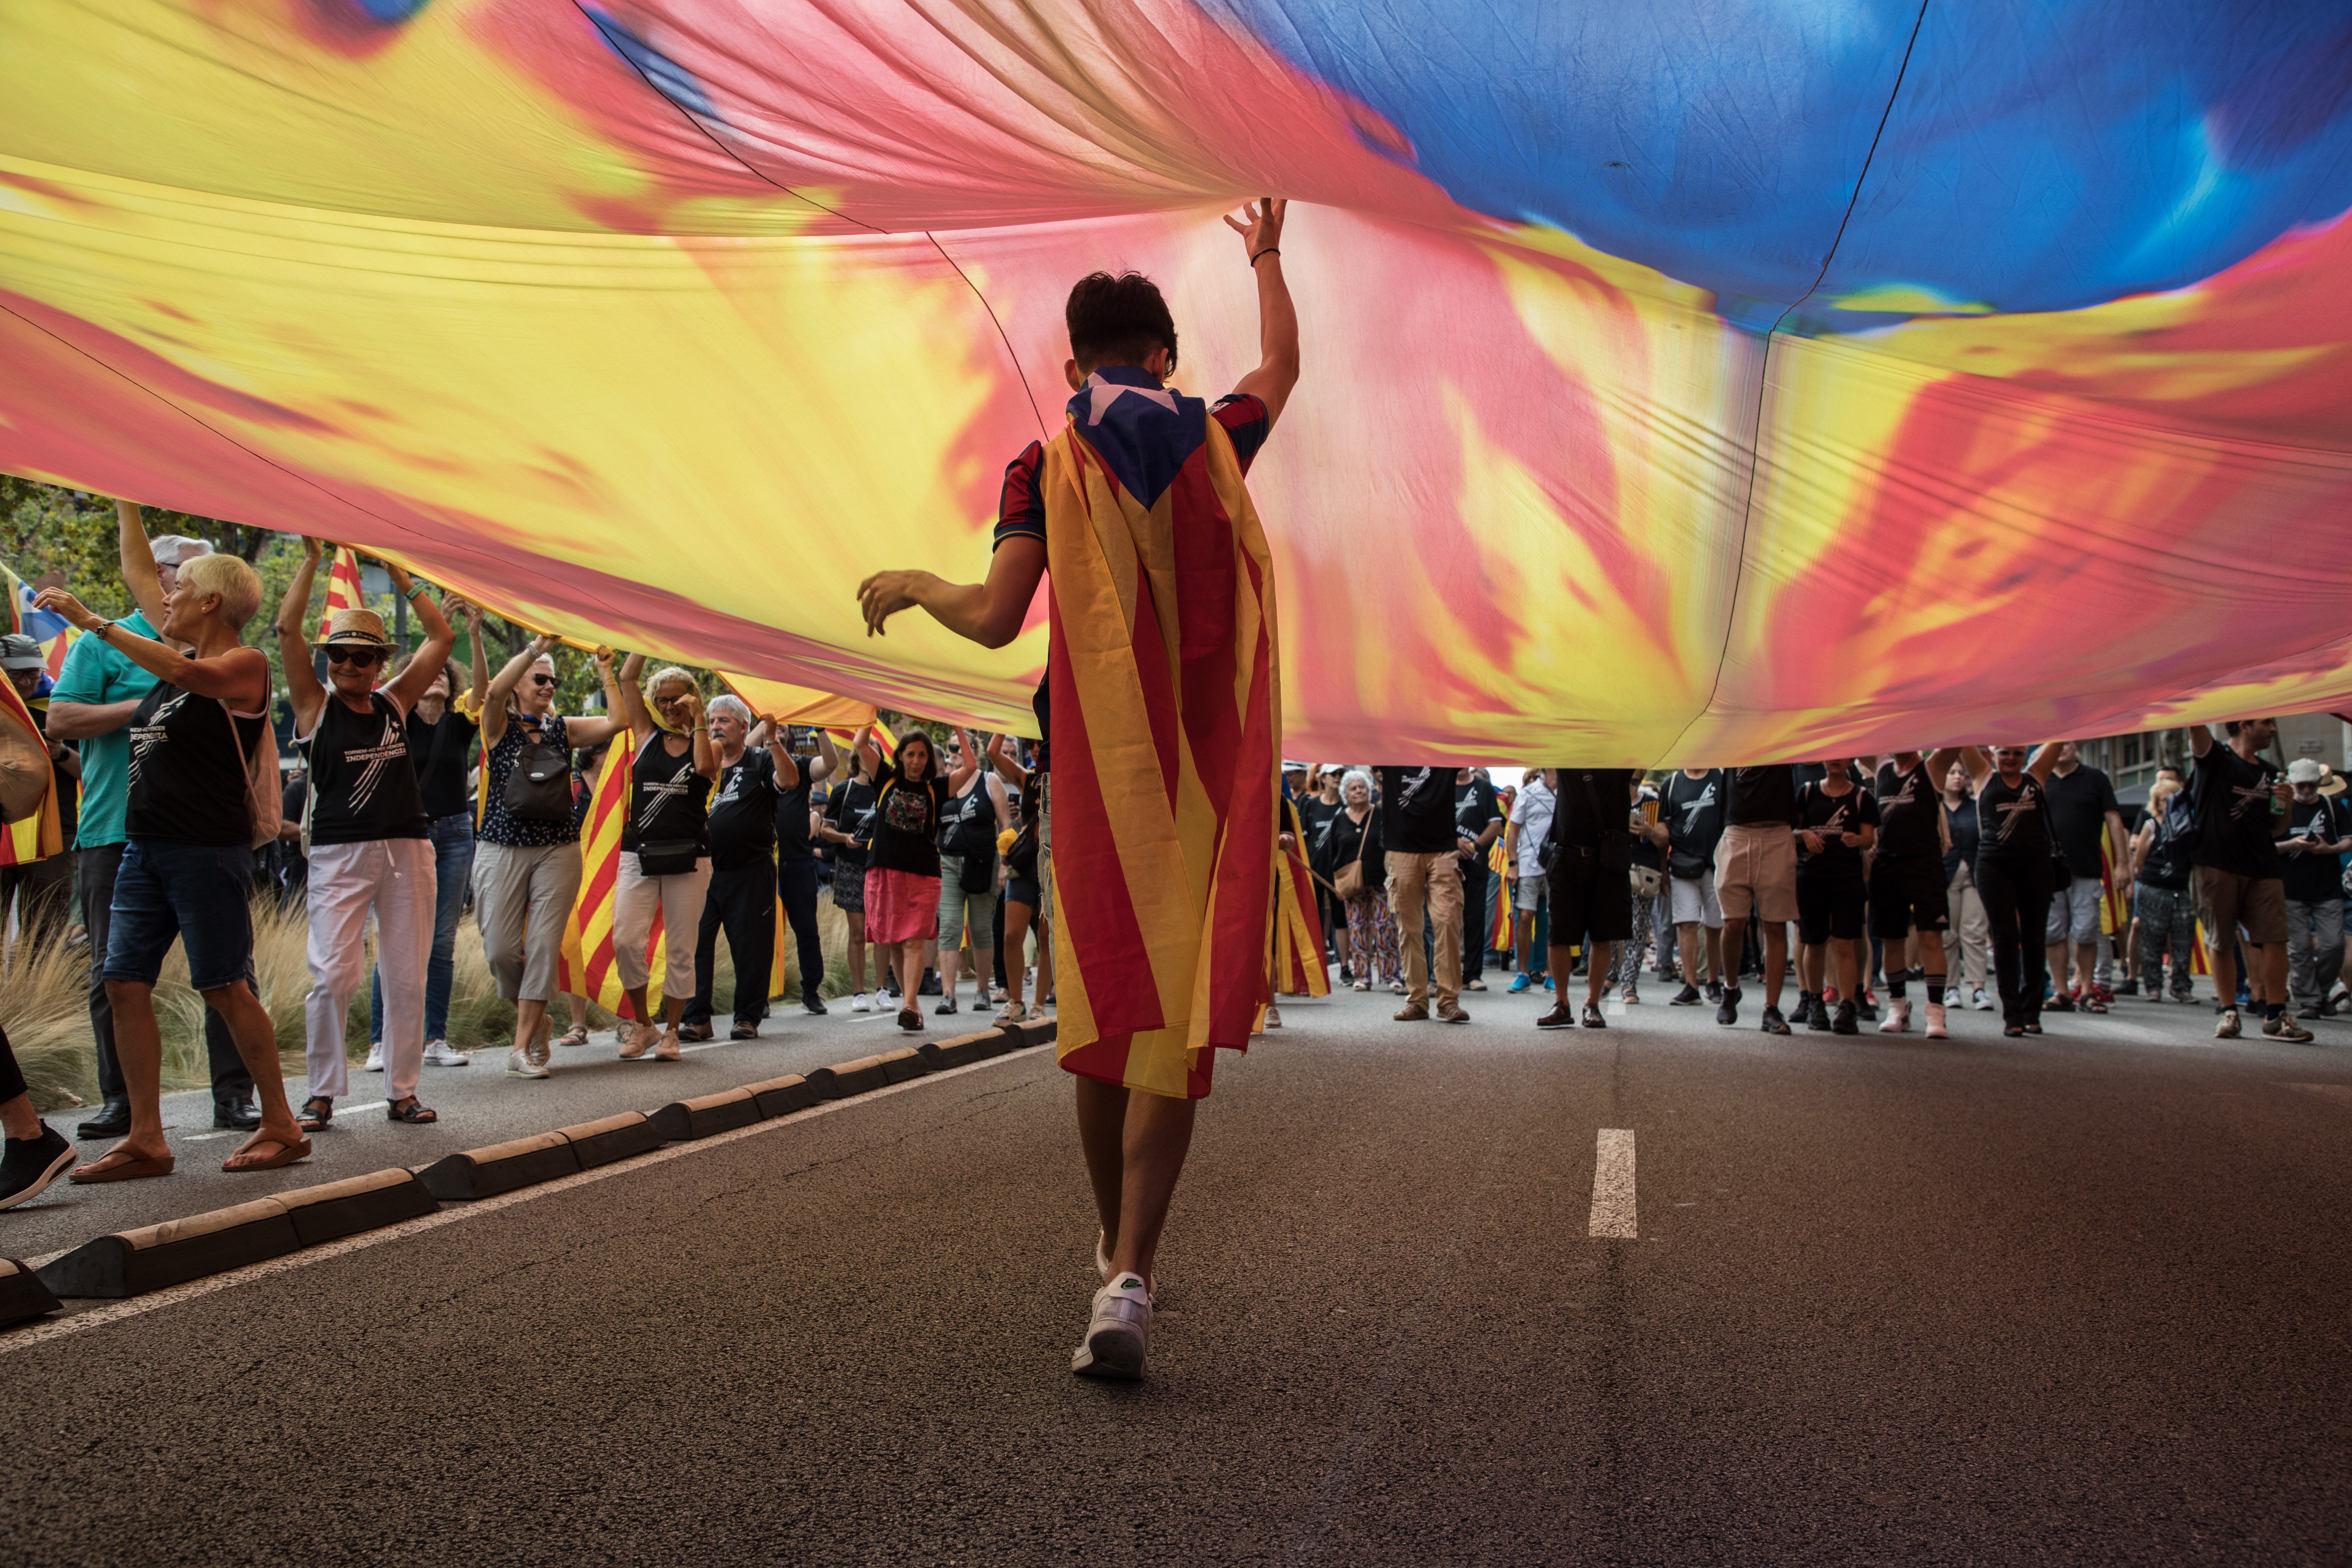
pixel 902 872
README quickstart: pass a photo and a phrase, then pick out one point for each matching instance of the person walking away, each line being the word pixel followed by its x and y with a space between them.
pixel 1909 887
pixel 741 898
pixel 1837 824
pixel 1528 826
pixel 2160 882
pixel 2241 808
pixel 2319 832
pixel 97 690
pixel 1756 875
pixel 203 791
pixel 1590 890
pixel 847 825
pixel 42 890
pixel 441 733
pixel 1966 953
pixel 1158 985
pixel 902 877
pixel 664 850
pixel 799 871
pixel 1022 895
pixel 2083 807
pixel 527 842
pixel 2014 873
pixel 974 815
pixel 1690 809
pixel 1478 823
pixel 371 844
pixel 1424 867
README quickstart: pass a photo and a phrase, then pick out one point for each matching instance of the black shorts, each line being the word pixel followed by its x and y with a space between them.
pixel 1587 902
pixel 1829 909
pixel 1904 894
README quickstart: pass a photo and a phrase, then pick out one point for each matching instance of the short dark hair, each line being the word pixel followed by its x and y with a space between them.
pixel 1117 320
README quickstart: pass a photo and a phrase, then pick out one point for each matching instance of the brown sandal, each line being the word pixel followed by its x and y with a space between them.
pixel 129 1168
pixel 287 1154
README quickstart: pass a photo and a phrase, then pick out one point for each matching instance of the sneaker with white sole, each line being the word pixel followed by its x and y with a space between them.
pixel 1980 1001
pixel 519 1065
pixel 1273 1015
pixel 1116 1335
pixel 861 1002
pixel 442 1053
pixel 1014 1012
pixel 375 1057
pixel 2225 1026
pixel 27 1166
pixel 1899 1016
pixel 1936 1030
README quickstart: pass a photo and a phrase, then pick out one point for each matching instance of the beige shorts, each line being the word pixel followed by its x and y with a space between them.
pixel 1756 873
pixel 2228 900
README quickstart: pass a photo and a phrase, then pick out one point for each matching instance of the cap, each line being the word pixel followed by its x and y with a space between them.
pixel 2303 770
pixel 171 548
pixel 19 651
pixel 1290 767
pixel 363 628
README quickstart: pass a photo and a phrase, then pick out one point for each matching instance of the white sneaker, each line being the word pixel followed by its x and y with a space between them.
pixel 861 1002
pixel 441 1054
pixel 519 1065
pixel 1273 1015
pixel 1899 1016
pixel 2226 1026
pixel 1014 1012
pixel 1114 1344
pixel 1936 1030
pixel 1983 1004
pixel 375 1057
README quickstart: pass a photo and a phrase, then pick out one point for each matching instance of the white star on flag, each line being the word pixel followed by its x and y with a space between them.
pixel 1107 393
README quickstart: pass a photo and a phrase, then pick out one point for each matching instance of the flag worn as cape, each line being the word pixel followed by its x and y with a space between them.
pixel 42 834
pixel 1499 935
pixel 1296 968
pixel 585 966
pixel 2115 912
pixel 1164 703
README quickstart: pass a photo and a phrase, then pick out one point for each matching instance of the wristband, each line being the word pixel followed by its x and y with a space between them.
pixel 1270 250
pixel 100 630
pixel 415 588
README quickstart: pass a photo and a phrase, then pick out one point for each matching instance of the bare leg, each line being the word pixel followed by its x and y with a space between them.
pixel 139 1047
pixel 529 1019
pixel 579 1006
pixel 257 1044
pixel 856 949
pixel 1776 959
pixel 17 1119
pixel 1135 1146
pixel 1686 937
pixel 1812 967
pixel 1597 964
pixel 1016 934
pixel 1734 934
pixel 2224 964
pixel 2271 960
pixel 1715 957
pixel 640 1009
pixel 952 970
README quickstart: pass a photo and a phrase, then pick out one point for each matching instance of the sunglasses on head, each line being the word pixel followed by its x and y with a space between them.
pixel 360 655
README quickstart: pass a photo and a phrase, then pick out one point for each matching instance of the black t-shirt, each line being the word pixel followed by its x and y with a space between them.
pixel 1760 796
pixel 2230 799
pixel 2079 804
pixel 1832 816
pixel 2166 863
pixel 1582 791
pixel 1962 820
pixel 365 781
pixel 1475 806
pixel 743 812
pixel 968 823
pixel 670 803
pixel 850 809
pixel 440 753
pixel 907 823
pixel 2012 821
pixel 1909 805
pixel 1315 815
pixel 1347 838
pixel 1417 810
pixel 2313 876
pixel 187 769
pixel 1692 812
pixel 1645 852
pixel 792 814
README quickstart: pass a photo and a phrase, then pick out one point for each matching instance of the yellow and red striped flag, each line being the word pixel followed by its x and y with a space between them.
pixel 1499 935
pixel 585 966
pixel 42 834
pixel 343 592
pixel 2114 915
pixel 1296 966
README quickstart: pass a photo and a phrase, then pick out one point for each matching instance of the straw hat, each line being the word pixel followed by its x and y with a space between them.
pixel 355 629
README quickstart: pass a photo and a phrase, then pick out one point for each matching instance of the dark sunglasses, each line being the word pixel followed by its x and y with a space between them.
pixel 358 656
pixel 543 680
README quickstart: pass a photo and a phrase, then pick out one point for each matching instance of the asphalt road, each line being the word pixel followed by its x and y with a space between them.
pixel 2077 1300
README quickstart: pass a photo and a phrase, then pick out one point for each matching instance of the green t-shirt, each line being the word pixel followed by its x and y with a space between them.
pixel 96 672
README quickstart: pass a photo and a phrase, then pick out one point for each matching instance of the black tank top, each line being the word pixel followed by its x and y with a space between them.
pixel 187 769
pixel 363 778
pixel 670 803
pixel 1908 807
pixel 2012 821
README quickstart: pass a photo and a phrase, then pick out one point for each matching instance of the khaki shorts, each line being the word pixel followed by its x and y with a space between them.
pixel 1756 873
pixel 2228 900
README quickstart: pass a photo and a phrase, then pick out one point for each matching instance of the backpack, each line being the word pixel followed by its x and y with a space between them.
pixel 538 785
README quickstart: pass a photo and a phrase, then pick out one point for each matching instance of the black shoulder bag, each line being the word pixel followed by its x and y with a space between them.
pixel 538 785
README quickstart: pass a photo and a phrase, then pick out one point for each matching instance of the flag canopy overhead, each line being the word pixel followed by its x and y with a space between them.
pixel 1684 382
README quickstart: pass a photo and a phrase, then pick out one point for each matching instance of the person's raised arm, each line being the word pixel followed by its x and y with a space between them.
pixel 705 751
pixel 961 775
pixel 139 573
pixel 2044 758
pixel 1939 763
pixel 480 659
pixel 2200 738
pixel 1260 228
pixel 995 787
pixel 989 613
pixel 240 677
pixel 780 753
pixel 869 754
pixel 589 731
pixel 303 691
pixel 1979 765
pixel 432 655
pixel 827 753
pixel 503 685
pixel 632 699
pixel 1008 767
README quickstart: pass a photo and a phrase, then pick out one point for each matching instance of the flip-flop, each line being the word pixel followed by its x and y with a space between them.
pixel 287 1154
pixel 129 1168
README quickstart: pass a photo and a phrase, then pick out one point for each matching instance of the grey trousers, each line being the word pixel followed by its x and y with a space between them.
pixel 2315 950
pixel 521 899
pixel 2167 922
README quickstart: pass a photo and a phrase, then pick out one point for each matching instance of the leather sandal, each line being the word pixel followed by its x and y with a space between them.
pixel 129 1167
pixel 576 1035
pixel 316 1112
pixel 409 1111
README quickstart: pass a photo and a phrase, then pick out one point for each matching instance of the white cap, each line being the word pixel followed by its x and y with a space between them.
pixel 171 548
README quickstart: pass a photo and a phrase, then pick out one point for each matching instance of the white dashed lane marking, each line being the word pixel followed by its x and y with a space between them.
pixel 1613 1184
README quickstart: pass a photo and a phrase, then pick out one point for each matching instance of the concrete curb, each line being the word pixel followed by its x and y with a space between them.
pixel 22 1294
pixel 156 1256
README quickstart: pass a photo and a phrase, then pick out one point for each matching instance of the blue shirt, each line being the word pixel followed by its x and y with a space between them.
pixel 97 672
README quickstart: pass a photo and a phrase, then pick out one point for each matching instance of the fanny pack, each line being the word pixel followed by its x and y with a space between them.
pixel 669 857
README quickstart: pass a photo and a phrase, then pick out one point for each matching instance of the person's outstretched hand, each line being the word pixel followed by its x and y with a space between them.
pixel 885 594
pixel 1260 225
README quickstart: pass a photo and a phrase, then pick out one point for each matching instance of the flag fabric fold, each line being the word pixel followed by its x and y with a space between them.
pixel 1295 966
pixel 585 966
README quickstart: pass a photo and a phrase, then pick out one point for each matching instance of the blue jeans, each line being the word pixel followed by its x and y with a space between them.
pixel 199 895
pixel 453 866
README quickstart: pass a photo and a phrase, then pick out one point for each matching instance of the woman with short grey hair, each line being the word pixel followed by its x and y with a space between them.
pixel 1355 842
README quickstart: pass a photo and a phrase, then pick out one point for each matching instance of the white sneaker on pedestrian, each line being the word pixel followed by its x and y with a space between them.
pixel 1014 1012
pixel 1983 1004
pixel 441 1054
pixel 1114 1345
pixel 375 1057
pixel 861 1002
pixel 1899 1016
pixel 519 1065
pixel 1936 1030
pixel 2225 1028
pixel 1273 1015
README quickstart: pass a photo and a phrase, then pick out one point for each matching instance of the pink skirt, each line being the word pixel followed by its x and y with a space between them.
pixel 901 906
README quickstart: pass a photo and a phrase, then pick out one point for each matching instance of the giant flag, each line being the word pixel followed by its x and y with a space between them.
pixel 1684 382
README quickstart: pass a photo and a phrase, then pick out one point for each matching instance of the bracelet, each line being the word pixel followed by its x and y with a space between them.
pixel 100 630
pixel 415 588
pixel 1270 250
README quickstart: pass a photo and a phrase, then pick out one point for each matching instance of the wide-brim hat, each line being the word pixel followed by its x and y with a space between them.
pixel 355 629
pixel 2331 781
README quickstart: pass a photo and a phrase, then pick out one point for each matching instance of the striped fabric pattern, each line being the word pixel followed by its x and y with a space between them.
pixel 1165 710
pixel 585 966
pixel 1297 964
pixel 344 591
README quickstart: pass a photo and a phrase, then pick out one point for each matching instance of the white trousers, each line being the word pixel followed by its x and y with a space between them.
pixel 394 878
pixel 636 897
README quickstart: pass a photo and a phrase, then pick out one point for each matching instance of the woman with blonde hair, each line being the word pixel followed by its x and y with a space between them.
pixel 527 849
pixel 204 791
pixel 2161 901
pixel 664 848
